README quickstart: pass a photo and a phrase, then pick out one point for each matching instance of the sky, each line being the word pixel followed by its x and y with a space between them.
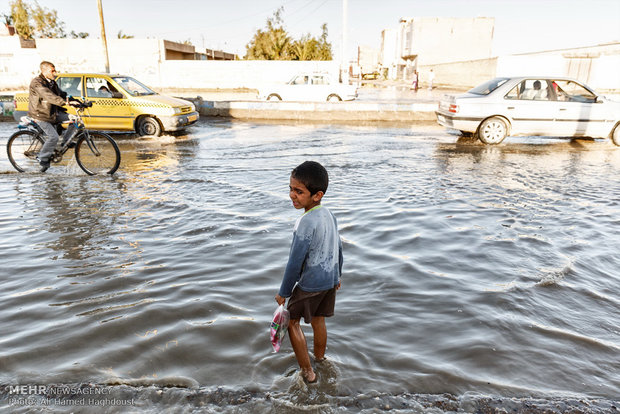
pixel 520 25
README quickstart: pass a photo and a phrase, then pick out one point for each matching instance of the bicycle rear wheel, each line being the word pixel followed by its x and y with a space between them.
pixel 97 153
pixel 22 149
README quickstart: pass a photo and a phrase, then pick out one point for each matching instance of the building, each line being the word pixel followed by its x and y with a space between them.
pixel 390 57
pixel 421 41
pixel 367 61
pixel 458 50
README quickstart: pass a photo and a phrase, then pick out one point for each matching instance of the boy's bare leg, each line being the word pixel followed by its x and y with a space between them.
pixel 298 341
pixel 320 336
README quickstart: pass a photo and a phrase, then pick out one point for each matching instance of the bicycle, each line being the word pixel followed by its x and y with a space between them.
pixel 95 152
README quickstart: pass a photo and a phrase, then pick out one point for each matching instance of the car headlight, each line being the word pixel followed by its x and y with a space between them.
pixel 192 106
pixel 177 110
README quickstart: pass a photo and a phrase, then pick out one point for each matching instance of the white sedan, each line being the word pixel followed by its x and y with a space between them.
pixel 309 87
pixel 549 106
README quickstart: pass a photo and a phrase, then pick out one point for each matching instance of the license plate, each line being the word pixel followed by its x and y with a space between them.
pixel 192 118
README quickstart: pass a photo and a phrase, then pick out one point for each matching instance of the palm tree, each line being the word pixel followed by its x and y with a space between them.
pixel 122 35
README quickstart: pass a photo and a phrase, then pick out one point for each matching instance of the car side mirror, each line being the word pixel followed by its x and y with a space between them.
pixel 117 95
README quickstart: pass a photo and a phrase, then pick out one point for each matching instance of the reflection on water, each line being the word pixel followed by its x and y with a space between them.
pixel 476 278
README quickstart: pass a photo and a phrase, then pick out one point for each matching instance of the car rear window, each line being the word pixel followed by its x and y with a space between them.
pixel 488 87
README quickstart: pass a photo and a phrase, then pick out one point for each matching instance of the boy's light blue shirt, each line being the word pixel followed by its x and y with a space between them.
pixel 315 259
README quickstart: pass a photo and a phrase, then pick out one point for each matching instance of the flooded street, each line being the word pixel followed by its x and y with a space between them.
pixel 472 274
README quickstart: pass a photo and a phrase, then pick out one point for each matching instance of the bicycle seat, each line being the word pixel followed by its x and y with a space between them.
pixel 26 120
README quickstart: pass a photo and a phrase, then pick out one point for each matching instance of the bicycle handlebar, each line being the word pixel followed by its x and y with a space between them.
pixel 76 103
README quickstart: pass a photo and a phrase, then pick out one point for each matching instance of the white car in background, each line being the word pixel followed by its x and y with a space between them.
pixel 309 87
pixel 531 105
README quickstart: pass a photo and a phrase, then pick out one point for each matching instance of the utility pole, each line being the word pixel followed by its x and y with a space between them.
pixel 344 76
pixel 105 42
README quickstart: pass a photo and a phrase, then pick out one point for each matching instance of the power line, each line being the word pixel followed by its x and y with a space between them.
pixel 312 12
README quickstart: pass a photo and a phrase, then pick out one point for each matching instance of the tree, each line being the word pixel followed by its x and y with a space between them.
pixel 21 19
pixel 324 51
pixel 274 43
pixel 31 21
pixel 304 48
pixel 122 35
pixel 311 48
pixel 46 23
pixel 80 35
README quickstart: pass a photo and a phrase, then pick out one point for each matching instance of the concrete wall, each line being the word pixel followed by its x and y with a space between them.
pixel 459 75
pixel 213 74
pixel 137 56
pixel 17 66
pixel 145 60
pixel 86 55
pixel 598 67
pixel 605 75
pixel 351 112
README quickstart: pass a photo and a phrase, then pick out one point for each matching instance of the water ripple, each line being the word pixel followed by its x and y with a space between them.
pixel 475 277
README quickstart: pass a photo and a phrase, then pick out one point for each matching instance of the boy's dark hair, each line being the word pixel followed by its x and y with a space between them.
pixel 313 175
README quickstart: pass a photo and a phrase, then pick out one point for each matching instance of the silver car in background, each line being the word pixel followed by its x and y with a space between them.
pixel 531 105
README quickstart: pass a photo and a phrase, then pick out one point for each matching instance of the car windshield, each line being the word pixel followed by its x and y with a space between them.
pixel 488 87
pixel 132 86
pixel 299 80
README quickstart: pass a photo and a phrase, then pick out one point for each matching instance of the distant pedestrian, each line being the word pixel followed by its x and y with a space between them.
pixel 312 273
pixel 414 85
pixel 431 78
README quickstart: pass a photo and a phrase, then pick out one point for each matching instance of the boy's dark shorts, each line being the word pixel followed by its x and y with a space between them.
pixel 309 304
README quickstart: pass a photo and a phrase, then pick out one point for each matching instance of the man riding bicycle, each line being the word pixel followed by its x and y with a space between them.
pixel 45 106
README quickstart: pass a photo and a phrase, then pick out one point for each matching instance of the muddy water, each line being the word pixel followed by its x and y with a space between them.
pixel 476 278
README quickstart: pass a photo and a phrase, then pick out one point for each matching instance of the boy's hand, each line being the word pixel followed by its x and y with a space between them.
pixel 280 299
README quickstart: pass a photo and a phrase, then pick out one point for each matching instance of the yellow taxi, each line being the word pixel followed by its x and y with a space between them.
pixel 121 103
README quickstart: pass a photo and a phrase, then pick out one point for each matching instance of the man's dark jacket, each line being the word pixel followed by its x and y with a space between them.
pixel 45 99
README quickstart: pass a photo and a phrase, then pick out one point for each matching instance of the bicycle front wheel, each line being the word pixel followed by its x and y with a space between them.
pixel 97 153
pixel 22 149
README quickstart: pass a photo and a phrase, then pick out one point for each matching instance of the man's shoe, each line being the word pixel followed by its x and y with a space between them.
pixel 44 165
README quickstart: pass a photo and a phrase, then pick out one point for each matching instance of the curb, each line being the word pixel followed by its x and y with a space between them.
pixel 323 111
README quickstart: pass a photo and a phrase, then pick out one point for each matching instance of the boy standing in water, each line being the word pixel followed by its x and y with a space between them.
pixel 312 273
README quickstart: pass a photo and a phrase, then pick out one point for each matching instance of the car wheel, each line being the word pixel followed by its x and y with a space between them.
pixel 333 98
pixel 274 97
pixel 148 126
pixel 615 137
pixel 492 131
